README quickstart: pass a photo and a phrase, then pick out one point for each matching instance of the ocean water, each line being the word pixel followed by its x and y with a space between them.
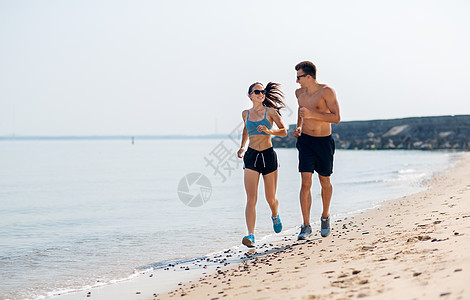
pixel 81 213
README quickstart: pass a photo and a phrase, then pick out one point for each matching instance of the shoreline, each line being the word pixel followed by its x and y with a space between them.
pixel 413 247
pixel 339 266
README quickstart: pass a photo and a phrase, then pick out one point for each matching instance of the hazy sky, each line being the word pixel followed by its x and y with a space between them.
pixel 183 67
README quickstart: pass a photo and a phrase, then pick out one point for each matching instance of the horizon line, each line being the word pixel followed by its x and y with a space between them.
pixel 112 136
pixel 176 136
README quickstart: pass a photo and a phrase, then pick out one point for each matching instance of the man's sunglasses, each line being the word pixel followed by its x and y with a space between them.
pixel 300 76
pixel 257 92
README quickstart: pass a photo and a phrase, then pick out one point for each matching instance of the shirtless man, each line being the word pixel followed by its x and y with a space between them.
pixel 318 108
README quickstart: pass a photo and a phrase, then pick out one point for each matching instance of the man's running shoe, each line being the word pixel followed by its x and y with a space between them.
pixel 305 232
pixel 325 226
pixel 277 224
pixel 249 240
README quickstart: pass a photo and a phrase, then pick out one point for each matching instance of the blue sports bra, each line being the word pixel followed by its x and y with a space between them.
pixel 251 126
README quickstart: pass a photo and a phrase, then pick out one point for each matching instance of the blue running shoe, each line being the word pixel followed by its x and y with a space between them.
pixel 305 232
pixel 325 226
pixel 277 224
pixel 249 240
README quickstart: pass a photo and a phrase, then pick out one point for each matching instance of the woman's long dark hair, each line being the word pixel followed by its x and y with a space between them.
pixel 274 95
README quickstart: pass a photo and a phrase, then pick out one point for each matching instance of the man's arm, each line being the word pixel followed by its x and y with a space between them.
pixel 298 129
pixel 331 102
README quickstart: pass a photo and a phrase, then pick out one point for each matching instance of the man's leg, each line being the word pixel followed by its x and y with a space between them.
pixel 326 192
pixel 306 196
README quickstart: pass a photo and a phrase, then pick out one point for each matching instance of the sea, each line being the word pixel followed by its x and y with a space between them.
pixel 75 214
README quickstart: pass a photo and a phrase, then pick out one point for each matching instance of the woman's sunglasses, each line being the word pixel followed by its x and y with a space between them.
pixel 257 92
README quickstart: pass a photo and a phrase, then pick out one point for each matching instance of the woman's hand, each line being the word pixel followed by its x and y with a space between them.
pixel 240 152
pixel 262 128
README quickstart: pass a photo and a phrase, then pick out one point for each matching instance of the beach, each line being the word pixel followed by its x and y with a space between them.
pixel 413 247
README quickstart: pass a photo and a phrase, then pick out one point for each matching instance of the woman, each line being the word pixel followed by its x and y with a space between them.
pixel 260 158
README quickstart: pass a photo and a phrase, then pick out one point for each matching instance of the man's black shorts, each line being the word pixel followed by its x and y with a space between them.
pixel 316 154
pixel 263 162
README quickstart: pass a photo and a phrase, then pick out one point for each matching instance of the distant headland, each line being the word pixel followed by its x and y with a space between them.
pixel 421 133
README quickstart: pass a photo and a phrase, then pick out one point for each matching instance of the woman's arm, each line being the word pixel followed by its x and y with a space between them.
pixel 244 136
pixel 281 131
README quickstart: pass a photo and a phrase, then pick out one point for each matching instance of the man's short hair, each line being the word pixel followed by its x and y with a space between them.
pixel 308 68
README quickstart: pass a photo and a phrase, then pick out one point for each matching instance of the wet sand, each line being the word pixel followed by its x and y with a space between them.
pixel 414 247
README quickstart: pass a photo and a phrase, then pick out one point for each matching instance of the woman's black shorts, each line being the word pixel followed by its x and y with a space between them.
pixel 263 162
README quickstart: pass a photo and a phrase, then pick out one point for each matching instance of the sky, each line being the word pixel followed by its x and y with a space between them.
pixel 95 67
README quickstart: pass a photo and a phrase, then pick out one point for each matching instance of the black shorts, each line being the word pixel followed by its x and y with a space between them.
pixel 263 162
pixel 316 154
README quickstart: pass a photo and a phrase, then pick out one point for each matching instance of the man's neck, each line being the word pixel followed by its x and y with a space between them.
pixel 313 87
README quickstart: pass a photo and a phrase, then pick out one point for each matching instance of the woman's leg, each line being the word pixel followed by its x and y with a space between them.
pixel 270 187
pixel 251 188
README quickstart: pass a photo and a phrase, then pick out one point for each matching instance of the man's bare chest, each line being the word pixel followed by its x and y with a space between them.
pixel 312 102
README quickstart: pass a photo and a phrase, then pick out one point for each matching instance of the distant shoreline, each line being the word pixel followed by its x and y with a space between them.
pixel 115 137
pixel 450 132
pixel 416 133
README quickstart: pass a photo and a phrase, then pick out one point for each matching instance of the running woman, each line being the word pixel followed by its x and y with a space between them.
pixel 260 157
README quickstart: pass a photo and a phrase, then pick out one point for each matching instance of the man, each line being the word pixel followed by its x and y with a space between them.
pixel 318 108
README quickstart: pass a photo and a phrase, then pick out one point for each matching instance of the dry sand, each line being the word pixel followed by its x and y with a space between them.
pixel 414 247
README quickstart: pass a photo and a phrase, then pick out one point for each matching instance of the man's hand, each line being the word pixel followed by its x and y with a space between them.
pixel 297 132
pixel 305 113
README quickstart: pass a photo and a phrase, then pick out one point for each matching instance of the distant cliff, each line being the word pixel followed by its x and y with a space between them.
pixel 423 133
